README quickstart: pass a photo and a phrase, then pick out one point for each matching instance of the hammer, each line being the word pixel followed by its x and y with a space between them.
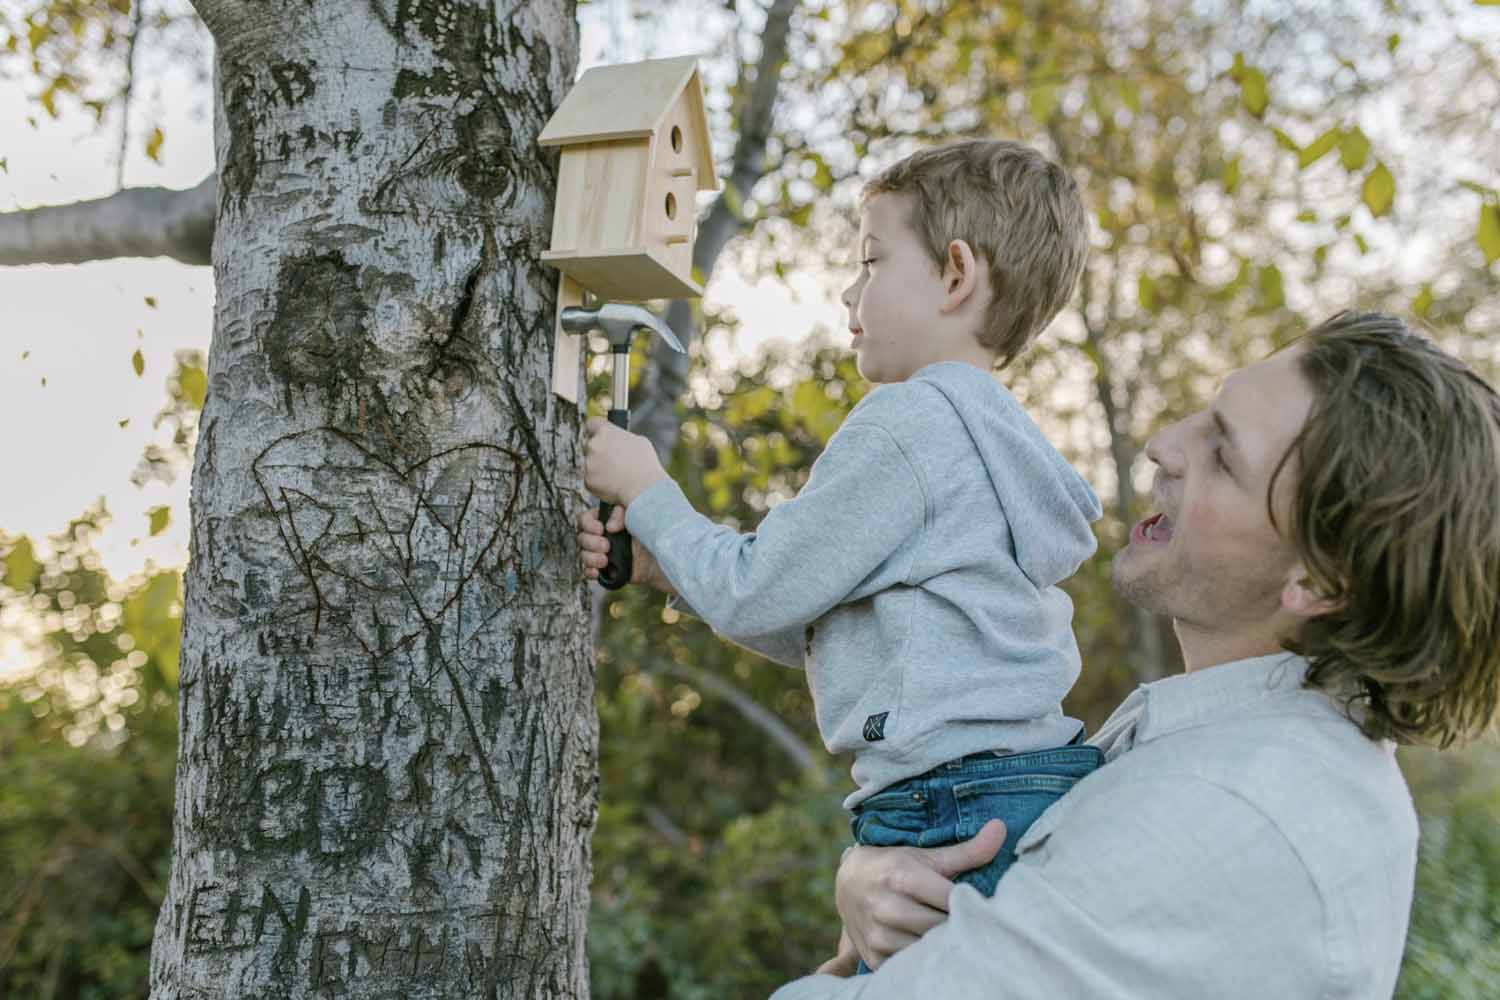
pixel 619 324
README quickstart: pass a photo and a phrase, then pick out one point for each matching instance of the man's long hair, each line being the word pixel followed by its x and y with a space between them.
pixel 1397 519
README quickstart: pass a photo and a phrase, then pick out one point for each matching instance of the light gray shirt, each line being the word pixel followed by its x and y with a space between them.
pixel 914 576
pixel 1244 841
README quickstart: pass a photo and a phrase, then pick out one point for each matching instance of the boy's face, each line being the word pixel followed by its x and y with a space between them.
pixel 895 303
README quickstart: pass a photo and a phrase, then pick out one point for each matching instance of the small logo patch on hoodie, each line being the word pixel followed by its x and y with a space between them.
pixel 875 727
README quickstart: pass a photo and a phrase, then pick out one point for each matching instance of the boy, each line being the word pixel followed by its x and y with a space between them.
pixel 915 575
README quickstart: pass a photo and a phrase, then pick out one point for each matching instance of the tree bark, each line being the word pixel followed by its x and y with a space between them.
pixel 386 776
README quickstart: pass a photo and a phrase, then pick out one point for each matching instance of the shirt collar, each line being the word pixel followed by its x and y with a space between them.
pixel 1212 694
pixel 1222 692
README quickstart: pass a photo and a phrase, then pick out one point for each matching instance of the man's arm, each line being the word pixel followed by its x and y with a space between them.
pixel 1151 889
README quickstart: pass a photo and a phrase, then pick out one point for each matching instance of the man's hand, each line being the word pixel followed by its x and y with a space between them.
pixel 594 549
pixel 890 896
pixel 845 963
pixel 618 466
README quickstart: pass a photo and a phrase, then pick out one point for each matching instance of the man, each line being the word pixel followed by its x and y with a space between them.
pixel 1327 545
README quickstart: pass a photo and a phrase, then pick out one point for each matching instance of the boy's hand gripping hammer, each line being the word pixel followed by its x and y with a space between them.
pixel 619 324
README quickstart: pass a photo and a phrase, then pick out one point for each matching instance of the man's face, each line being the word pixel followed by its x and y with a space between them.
pixel 894 303
pixel 1211 558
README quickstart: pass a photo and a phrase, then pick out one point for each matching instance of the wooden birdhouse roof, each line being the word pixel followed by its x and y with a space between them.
pixel 630 101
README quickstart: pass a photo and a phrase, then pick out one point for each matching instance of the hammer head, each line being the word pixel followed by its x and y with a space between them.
pixel 619 323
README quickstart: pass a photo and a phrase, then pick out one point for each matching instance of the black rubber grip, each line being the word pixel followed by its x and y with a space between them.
pixel 621 555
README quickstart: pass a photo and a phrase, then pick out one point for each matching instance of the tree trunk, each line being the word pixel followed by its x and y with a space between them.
pixel 386 783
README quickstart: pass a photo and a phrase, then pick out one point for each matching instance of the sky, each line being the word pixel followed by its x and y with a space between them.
pixel 68 333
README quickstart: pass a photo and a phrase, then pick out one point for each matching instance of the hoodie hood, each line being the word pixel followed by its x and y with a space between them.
pixel 1048 504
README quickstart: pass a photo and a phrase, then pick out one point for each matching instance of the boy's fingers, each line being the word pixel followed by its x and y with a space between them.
pixel 616 520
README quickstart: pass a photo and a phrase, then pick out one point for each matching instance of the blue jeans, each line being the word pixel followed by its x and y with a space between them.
pixel 953 801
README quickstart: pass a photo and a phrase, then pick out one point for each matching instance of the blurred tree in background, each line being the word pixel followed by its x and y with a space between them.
pixel 1251 168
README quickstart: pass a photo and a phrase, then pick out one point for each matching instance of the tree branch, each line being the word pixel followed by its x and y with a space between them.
pixel 753 711
pixel 136 222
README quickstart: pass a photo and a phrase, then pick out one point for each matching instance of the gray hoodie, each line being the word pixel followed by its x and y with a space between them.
pixel 914 577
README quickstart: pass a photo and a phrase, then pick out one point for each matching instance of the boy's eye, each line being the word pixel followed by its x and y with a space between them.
pixel 867 262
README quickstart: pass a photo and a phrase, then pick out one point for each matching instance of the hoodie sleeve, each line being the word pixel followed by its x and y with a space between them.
pixel 862 502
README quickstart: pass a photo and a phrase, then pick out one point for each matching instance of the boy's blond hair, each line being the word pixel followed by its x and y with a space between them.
pixel 1014 207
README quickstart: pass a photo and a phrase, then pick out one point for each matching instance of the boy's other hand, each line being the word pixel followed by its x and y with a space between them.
pixel 593 547
pixel 618 466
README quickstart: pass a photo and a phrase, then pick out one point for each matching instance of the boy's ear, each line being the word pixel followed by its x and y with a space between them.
pixel 1301 597
pixel 961 274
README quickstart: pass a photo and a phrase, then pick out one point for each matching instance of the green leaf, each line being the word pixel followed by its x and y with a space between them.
pixel 1232 174
pixel 153 144
pixel 1422 304
pixel 1254 92
pixel 138 362
pixel 1487 3
pixel 1307 215
pixel 1379 190
pixel 160 518
pixel 1145 292
pixel 1354 149
pixel 1362 244
pixel 1318 148
pixel 1272 292
pixel 1286 142
pixel 1042 102
pixel 1392 43
pixel 1488 235
pixel 21 568
pixel 151 301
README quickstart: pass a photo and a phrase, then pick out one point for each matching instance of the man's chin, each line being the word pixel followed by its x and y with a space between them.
pixel 1132 581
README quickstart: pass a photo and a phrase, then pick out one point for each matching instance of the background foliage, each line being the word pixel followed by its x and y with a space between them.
pixel 1251 167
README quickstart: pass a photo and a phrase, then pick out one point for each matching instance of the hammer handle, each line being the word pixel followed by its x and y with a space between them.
pixel 621 556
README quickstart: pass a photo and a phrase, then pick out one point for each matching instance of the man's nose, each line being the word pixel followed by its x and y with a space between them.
pixel 1164 449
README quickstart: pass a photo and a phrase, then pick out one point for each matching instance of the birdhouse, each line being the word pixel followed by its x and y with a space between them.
pixel 634 152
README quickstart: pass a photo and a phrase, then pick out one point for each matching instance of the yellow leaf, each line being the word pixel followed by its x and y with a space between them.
pixel 125 423
pixel 160 518
pixel 151 301
pixel 1489 232
pixel 1254 92
pixel 1354 149
pixel 1422 304
pixel 138 362
pixel 1318 148
pixel 194 384
pixel 21 569
pixel 1379 190
pixel 153 145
